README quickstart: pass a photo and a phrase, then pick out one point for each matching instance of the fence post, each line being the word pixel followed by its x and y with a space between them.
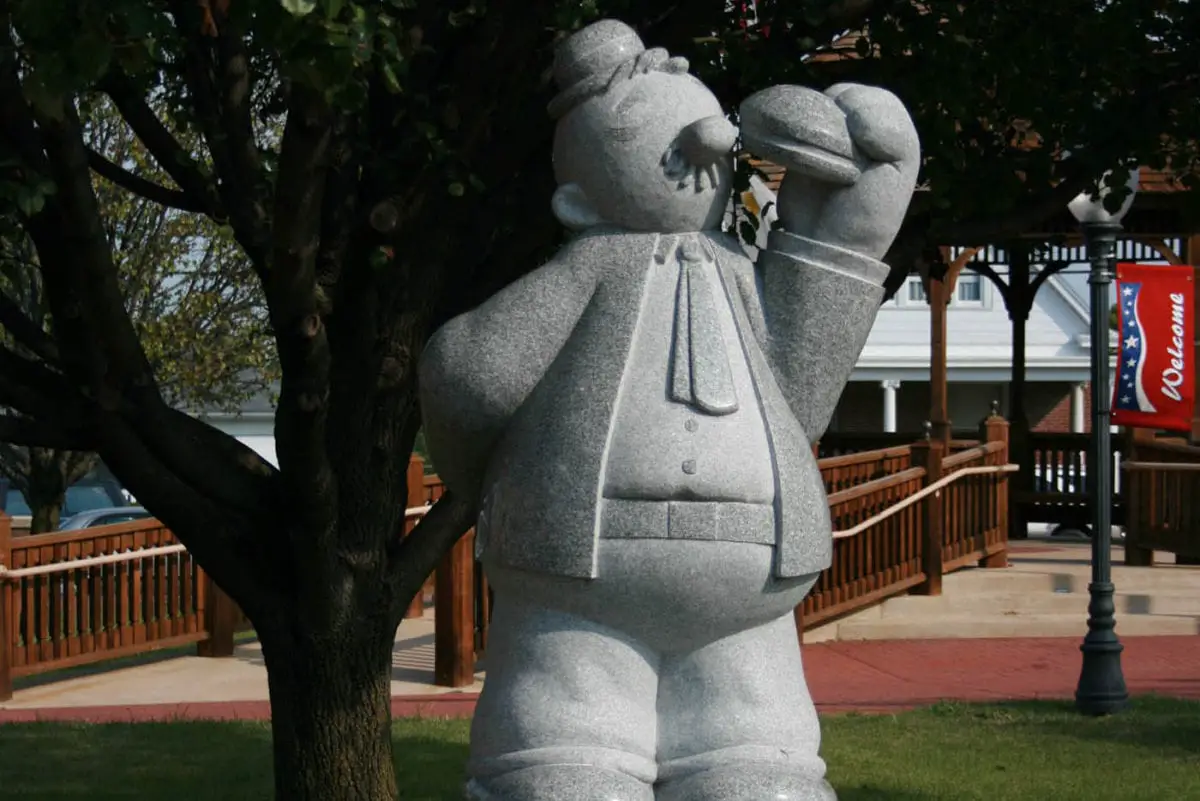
pixel 928 454
pixel 995 429
pixel 454 616
pixel 220 620
pixel 7 633
pixel 416 497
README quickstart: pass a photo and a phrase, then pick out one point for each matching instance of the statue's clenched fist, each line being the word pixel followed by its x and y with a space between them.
pixel 852 157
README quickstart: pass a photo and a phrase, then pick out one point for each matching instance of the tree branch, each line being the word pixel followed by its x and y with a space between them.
pixel 33 389
pixel 340 204
pixel 155 193
pixel 221 90
pixel 15 116
pixel 22 430
pixel 157 138
pixel 243 555
pixel 15 464
pixel 411 559
pixel 81 280
pixel 26 332
pixel 300 333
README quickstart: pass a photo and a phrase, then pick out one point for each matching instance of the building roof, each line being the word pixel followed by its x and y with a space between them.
pixel 260 403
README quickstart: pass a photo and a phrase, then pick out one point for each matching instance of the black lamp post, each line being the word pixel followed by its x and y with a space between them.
pixel 1101 689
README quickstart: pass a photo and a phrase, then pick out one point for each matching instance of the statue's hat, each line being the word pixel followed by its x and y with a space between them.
pixel 586 60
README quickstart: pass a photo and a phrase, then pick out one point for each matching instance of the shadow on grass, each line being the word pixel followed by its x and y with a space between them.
pixel 431 768
pixel 151 761
pixel 874 793
pixel 199 761
pixel 1152 722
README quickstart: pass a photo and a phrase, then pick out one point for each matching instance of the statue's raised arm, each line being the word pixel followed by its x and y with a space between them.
pixel 852 157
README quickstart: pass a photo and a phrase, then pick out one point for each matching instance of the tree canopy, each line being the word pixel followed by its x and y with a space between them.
pixel 383 165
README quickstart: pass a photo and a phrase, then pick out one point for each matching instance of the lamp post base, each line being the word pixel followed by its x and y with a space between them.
pixel 1101 689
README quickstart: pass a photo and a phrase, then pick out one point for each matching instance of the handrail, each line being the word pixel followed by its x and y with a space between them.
pixel 91 561
pixel 1186 467
pixel 924 491
pixel 126 556
pixel 964 457
pixel 863 457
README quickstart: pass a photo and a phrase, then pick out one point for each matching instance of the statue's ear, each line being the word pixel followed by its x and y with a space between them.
pixel 573 209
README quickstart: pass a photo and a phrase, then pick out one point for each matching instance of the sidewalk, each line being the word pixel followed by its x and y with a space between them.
pixel 878 676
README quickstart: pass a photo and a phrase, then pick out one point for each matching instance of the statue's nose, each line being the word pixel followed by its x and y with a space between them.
pixel 708 140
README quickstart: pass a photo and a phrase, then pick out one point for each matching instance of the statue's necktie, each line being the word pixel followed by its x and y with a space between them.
pixel 700 372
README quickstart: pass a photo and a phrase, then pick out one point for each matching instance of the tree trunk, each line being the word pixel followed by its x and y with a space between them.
pixel 331 711
pixel 47 490
pixel 45 515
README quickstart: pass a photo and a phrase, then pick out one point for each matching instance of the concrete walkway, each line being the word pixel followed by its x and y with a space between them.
pixel 874 676
pixel 242 677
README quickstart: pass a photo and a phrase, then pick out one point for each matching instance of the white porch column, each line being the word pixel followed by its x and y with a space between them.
pixel 1077 411
pixel 889 405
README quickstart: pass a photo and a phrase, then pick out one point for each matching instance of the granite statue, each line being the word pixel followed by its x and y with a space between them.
pixel 635 419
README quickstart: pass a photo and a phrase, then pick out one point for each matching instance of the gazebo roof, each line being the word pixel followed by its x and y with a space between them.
pixel 1153 181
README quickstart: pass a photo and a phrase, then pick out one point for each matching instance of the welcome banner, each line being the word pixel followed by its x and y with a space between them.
pixel 1155 384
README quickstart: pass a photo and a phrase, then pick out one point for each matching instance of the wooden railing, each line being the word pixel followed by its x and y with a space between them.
pixel 904 537
pixel 851 469
pixel 975 509
pixel 1052 487
pixel 902 519
pixel 1162 490
pixel 885 559
pixel 75 597
pixel 839 444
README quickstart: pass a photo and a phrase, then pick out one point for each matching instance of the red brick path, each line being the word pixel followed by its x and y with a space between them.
pixel 874 676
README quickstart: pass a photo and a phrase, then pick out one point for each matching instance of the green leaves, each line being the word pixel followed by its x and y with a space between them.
pixel 300 8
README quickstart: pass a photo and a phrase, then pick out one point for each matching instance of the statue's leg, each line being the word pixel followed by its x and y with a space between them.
pixel 737 724
pixel 567 712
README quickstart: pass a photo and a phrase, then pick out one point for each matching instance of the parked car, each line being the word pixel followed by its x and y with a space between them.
pixel 80 497
pixel 107 516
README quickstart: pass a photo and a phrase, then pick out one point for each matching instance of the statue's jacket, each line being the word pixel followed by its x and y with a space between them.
pixel 519 395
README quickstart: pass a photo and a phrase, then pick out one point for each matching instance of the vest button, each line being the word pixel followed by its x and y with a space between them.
pixel 691 424
pixel 689 467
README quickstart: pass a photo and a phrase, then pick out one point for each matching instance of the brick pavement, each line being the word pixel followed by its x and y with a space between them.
pixel 875 676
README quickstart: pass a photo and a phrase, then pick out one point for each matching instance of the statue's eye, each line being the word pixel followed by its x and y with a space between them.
pixel 632 110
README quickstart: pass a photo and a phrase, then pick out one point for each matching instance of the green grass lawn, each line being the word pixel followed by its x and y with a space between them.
pixel 955 752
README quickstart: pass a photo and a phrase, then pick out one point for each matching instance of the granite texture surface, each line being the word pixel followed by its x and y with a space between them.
pixel 635 420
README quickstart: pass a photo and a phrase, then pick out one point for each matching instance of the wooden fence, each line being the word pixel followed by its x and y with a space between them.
pixel 72 598
pixel 1162 491
pixel 904 515
pixel 847 442
pixel 75 597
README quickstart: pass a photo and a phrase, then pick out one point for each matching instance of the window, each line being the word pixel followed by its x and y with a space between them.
pixel 970 288
pixel 916 292
pixel 84 498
